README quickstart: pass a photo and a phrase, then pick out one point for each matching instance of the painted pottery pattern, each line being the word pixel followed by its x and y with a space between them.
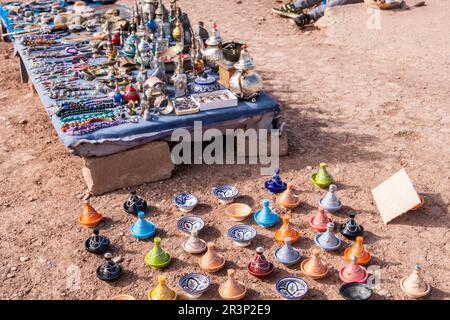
pixel 186 200
pixel 187 224
pixel 242 232
pixel 292 287
pixel 226 192
pixel 194 283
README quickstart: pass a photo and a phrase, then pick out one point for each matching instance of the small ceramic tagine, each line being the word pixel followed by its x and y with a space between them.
pixel 287 254
pixel 205 83
pixel 162 291
pixel 123 297
pixel 142 229
pixel 320 220
pixel 187 224
pixel 353 272
pixel 355 291
pixel 322 179
pixel 226 194
pixel 327 240
pixel 242 234
pixel 330 202
pixel 292 288
pixel 211 260
pixel 194 284
pixel 288 199
pixel 186 202
pixel 194 244
pixel 90 217
pixel 286 231
pixel 232 289
pixel 109 270
pixel 260 267
pixel 157 258
pixel 350 228
pixel 413 285
pixel 134 204
pixel 266 217
pixel 359 251
pixel 313 267
pixel 275 184
pixel 238 211
pixel 97 243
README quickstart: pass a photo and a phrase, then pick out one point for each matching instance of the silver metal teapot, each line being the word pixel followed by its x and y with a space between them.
pixel 213 52
pixel 246 83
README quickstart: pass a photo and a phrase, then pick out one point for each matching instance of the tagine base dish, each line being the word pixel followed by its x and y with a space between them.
pixel 91 223
pixel 312 276
pixel 261 275
pixel 150 293
pixel 331 248
pixel 329 209
pixel 314 182
pixel 355 291
pixel 109 279
pixel 290 263
pixel 212 270
pixel 238 297
pixel 411 294
pixel 362 262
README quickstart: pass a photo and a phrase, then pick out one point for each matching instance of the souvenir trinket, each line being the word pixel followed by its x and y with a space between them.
pixel 275 184
pixel 359 251
pixel 313 267
pixel 205 83
pixel 286 231
pixel 413 285
pixel 320 220
pixel 177 32
pixel 242 234
pixel 180 80
pixel 194 284
pixel 292 288
pixel 246 83
pixel 129 49
pixel 212 54
pixel 97 243
pixel 355 291
pixel 287 254
pixel 353 272
pixel 266 217
pixel 350 228
pixel 215 100
pixel 238 211
pixel 109 270
pixel 226 194
pixel 134 204
pixel 142 229
pixel 288 199
pixel 131 94
pixel 330 202
pixel 232 289
pixel 211 260
pixel 157 258
pixel 117 97
pixel 260 267
pixel 322 179
pixel 162 291
pixel 201 33
pixel 226 71
pixel 187 224
pixel 185 105
pixel 194 244
pixel 186 202
pixel 90 217
pixel 327 240
pixel 123 297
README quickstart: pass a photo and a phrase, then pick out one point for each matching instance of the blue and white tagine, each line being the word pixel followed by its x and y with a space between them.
pixel 275 184
pixel 287 254
pixel 292 288
pixel 187 224
pixel 330 202
pixel 242 234
pixel 327 240
pixel 194 284
pixel 226 194
pixel 186 202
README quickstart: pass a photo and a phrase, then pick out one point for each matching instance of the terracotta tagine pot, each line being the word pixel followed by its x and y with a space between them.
pixel 330 202
pixel 90 217
pixel 157 258
pixel 123 297
pixel 413 285
pixel 313 267
pixel 287 254
pixel 260 267
pixel 232 289
pixel 320 220
pixel 162 291
pixel 322 178
pixel 286 231
pixel 350 228
pixel 353 272
pixel 288 199
pixel 359 251
pixel 211 260
pixel 194 244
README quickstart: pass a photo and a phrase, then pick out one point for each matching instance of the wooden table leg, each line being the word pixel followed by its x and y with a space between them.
pixel 23 71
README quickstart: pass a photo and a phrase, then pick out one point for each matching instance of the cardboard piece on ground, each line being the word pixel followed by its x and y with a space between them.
pixel 395 196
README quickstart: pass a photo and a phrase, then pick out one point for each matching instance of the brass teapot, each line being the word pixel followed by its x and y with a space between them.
pixel 246 83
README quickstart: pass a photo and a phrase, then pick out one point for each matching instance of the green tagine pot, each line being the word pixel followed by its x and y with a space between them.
pixel 157 258
pixel 322 179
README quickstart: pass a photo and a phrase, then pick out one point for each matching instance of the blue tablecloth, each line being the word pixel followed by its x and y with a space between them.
pixel 122 137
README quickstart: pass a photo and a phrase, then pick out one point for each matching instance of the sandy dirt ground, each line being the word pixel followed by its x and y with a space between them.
pixel 367 100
